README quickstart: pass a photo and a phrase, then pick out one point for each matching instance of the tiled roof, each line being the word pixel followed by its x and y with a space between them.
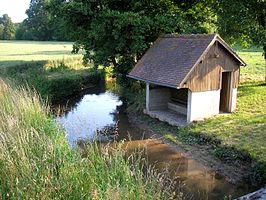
pixel 171 58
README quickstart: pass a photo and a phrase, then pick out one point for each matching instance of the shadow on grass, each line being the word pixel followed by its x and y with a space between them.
pixel 249 88
pixel 62 52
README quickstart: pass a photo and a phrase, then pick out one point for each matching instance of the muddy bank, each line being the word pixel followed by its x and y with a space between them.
pixel 235 172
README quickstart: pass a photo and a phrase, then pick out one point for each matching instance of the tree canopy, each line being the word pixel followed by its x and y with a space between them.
pixel 41 24
pixel 118 32
pixel 243 20
pixel 7 28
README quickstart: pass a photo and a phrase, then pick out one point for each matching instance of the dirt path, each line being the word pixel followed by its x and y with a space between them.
pixel 236 172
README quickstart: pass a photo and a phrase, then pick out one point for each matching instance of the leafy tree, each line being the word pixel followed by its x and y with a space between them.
pixel 23 32
pixel 7 28
pixel 118 32
pixel 41 24
pixel 39 20
pixel 243 20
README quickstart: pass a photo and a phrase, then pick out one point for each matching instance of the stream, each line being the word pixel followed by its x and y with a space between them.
pixel 98 108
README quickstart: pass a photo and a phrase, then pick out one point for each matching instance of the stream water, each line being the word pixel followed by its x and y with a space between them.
pixel 98 109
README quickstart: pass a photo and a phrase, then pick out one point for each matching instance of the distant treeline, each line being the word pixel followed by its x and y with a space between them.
pixel 40 25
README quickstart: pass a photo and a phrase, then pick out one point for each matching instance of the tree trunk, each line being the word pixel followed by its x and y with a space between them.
pixel 264 54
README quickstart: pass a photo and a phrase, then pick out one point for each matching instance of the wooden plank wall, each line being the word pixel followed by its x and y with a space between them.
pixel 207 75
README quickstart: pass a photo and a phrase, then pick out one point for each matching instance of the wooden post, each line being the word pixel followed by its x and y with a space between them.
pixel 189 102
pixel 147 96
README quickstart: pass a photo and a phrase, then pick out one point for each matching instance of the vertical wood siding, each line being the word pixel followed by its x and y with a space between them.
pixel 207 75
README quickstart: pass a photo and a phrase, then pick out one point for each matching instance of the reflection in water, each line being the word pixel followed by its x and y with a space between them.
pixel 97 109
pixel 197 181
pixel 93 112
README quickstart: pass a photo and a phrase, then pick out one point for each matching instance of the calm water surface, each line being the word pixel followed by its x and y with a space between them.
pixel 98 108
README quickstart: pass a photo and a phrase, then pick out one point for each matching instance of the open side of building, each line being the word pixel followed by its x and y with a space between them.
pixel 189 77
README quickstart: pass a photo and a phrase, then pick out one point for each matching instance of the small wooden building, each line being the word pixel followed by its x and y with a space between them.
pixel 189 77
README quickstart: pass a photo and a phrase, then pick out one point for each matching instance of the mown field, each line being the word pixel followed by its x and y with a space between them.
pixel 255 69
pixel 17 52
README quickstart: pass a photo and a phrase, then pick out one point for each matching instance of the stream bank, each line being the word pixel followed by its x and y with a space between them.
pixel 100 107
pixel 236 172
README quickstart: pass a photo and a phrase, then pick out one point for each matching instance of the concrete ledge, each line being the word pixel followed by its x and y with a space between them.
pixel 171 117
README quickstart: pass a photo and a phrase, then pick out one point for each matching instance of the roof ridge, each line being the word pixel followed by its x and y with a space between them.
pixel 189 36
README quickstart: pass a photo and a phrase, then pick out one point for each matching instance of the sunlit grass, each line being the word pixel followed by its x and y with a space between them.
pixel 244 129
pixel 255 69
pixel 17 52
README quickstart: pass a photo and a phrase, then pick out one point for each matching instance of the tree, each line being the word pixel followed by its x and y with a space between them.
pixel 118 32
pixel 41 24
pixel 7 28
pixel 39 20
pixel 23 32
pixel 243 20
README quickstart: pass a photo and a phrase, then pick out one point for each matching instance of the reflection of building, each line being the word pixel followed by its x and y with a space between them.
pixel 189 77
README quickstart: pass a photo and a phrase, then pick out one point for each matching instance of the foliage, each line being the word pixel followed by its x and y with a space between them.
pixel 7 28
pixel 41 24
pixel 243 20
pixel 36 162
pixel 115 32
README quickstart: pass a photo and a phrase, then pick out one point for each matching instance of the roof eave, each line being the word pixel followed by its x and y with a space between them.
pixel 225 45
pixel 153 82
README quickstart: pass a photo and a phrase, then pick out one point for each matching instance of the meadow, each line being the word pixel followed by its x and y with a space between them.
pixel 49 67
pixel 18 52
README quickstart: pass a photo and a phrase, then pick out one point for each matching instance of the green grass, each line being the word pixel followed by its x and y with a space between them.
pixel 255 69
pixel 36 162
pixel 244 130
pixel 17 52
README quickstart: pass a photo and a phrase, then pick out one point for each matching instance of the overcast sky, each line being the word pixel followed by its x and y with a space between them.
pixel 15 9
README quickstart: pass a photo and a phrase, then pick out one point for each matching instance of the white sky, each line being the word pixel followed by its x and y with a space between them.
pixel 15 9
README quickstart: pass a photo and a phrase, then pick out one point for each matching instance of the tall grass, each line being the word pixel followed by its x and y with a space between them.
pixel 36 162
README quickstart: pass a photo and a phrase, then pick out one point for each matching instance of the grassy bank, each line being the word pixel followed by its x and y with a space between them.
pixel 53 79
pixel 36 162
pixel 234 137
pixel 49 67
